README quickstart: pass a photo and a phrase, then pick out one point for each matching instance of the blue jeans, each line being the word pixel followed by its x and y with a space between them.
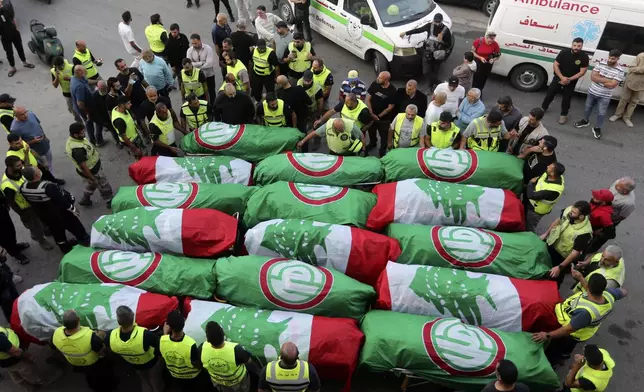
pixel 602 108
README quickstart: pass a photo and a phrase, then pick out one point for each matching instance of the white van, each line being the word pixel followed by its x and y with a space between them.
pixel 371 29
pixel 532 32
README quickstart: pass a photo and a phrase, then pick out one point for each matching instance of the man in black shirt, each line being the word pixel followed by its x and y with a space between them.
pixel 593 358
pixel 538 158
pixel 272 102
pixel 302 23
pixel 114 91
pixel 234 107
pixel 506 379
pixel 176 48
pixel 242 42
pixel 99 110
pixel 439 40
pixel 19 364
pixel 569 66
pixel 547 197
pixel 381 102
pixel 8 295
pixel 8 238
pixel 410 95
pixel 297 99
pixel 133 84
pixel 148 108
pixel 262 75
pixel 10 37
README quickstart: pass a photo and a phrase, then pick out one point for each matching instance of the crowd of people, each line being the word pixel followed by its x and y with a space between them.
pixel 277 79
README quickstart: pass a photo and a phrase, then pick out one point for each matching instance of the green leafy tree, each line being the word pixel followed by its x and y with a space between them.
pixel 250 327
pixel 452 290
pixel 127 227
pixel 60 297
pixel 296 239
pixel 206 168
pixel 453 198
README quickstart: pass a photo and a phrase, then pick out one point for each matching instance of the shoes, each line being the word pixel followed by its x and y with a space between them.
pixel 22 246
pixel 197 4
pixel 28 65
pixel 582 123
pixel 597 133
pixel 22 259
pixel 60 181
pixel 371 146
pixel 562 119
pixel 628 122
pixel 101 143
pixel 16 279
pixel 46 245
pixel 109 205
pixel 85 201
pixel 189 4
pixel 614 118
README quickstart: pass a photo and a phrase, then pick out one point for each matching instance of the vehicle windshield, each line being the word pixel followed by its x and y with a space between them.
pixel 397 12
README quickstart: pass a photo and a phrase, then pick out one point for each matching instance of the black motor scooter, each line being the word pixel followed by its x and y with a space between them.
pixel 44 42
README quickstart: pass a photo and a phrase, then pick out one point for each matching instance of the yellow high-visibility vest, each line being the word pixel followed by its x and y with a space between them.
pixel 339 143
pixel 353 114
pixel 13 339
pixel 415 133
pixel 321 77
pixel 77 349
pixel 302 62
pixel 65 85
pixel 167 136
pixel 6 112
pixel 92 154
pixel 21 154
pixel 617 273
pixel 440 138
pixel 543 207
pixel 132 349
pixel 153 33
pixel 274 118
pixel 191 83
pixel 486 138
pixel 598 313
pixel 130 129
pixel 177 357
pixel 562 237
pixel 288 380
pixel 311 92
pixel 599 378
pixel 239 66
pixel 220 364
pixel 19 199
pixel 261 66
pixel 86 61
pixel 195 120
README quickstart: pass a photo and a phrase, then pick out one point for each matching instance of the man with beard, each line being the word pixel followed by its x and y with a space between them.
pixel 234 107
pixel 314 91
pixel 131 82
pixel 381 102
pixel 265 67
pixel 298 55
pixel 297 99
pixel 99 110
pixel 322 76
pixel 176 48
pixel 410 95
pixel 114 91
pixel 193 80
pixel 161 129
pixel 203 57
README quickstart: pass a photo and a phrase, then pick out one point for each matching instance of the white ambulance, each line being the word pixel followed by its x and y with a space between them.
pixel 532 32
pixel 370 29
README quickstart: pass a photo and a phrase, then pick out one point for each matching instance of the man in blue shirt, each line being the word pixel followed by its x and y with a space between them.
pixel 82 103
pixel 156 72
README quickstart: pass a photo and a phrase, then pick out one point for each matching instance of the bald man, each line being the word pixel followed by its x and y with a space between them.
pixel 99 109
pixel 276 376
pixel 82 56
pixel 410 95
pixel 297 98
pixel 341 135
pixel 83 105
pixel 233 106
pixel 381 102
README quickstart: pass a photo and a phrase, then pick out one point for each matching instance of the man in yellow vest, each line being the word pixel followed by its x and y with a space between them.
pixel 274 112
pixel 84 350
pixel 162 128
pixel 352 109
pixel 580 316
pixel 193 81
pixel 322 76
pixel 18 362
pixel 608 263
pixel 157 35
pixel 298 55
pixel 181 355
pixel 194 113
pixel 591 371
pixel 12 179
pixel 6 111
pixel 87 161
pixel 228 78
pixel 265 70
pixel 315 92
pixel 289 373
pixel 542 194
pixel 441 134
pixel 237 68
pixel 405 131
pixel 227 363
pixel 138 347
pixel 567 238
pixel 484 133
pixel 19 148
pixel 342 137
pixel 126 127
pixel 82 56
pixel 61 75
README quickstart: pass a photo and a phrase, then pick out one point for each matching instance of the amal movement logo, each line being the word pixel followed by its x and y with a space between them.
pixel 462 350
pixel 315 165
pixel 466 247
pixel 317 195
pixel 294 285
pixel 128 268
pixel 447 165
pixel 219 136
pixel 167 195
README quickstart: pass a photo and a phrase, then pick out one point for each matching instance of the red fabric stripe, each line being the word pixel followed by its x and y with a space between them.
pixel 383 213
pixel 382 289
pixel 153 309
pixel 512 215
pixel 144 171
pixel 207 232
pixel 369 255
pixel 16 325
pixel 334 348
pixel 538 299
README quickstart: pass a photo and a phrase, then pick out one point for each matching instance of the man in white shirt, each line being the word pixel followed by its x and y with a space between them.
pixel 455 94
pixel 265 23
pixel 203 57
pixel 127 36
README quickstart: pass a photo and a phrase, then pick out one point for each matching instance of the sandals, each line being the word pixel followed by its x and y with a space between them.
pixel 28 65
pixel 12 72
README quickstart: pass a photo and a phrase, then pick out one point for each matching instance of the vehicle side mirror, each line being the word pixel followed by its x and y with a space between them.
pixel 365 20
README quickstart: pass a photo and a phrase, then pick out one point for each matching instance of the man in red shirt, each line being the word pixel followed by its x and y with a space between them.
pixel 601 210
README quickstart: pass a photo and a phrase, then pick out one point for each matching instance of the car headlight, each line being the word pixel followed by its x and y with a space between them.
pixel 404 51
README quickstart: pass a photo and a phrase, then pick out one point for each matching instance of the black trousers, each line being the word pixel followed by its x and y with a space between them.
pixel 566 95
pixel 164 152
pixel 382 128
pixel 65 221
pixel 8 238
pixel 556 260
pixel 200 383
pixel 228 9
pixel 303 24
pixel 212 90
pixel 9 40
pixel 259 83
pixel 558 348
pixel 100 376
pixel 483 71
pixel 8 291
pixel 431 68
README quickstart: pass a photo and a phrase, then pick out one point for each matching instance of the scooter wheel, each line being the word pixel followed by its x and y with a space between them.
pixel 31 46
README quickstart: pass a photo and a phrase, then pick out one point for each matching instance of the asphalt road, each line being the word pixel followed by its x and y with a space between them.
pixel 590 163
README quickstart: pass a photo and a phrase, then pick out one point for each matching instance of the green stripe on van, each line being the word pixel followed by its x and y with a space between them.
pixel 378 41
pixel 534 56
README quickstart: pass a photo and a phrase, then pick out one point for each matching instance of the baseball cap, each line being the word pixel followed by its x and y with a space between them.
pixel 452 81
pixel 6 98
pixel 438 17
pixel 603 195
pixel 352 75
pixel 261 43
pixel 307 76
pixel 446 117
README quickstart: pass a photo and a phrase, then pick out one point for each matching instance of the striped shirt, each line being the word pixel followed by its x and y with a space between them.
pixel 606 71
pixel 356 87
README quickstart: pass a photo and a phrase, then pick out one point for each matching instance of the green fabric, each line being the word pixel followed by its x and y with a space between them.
pixel 322 203
pixel 319 169
pixel 248 142
pixel 291 285
pixel 162 274
pixel 516 255
pixel 488 169
pixel 228 198
pixel 448 352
